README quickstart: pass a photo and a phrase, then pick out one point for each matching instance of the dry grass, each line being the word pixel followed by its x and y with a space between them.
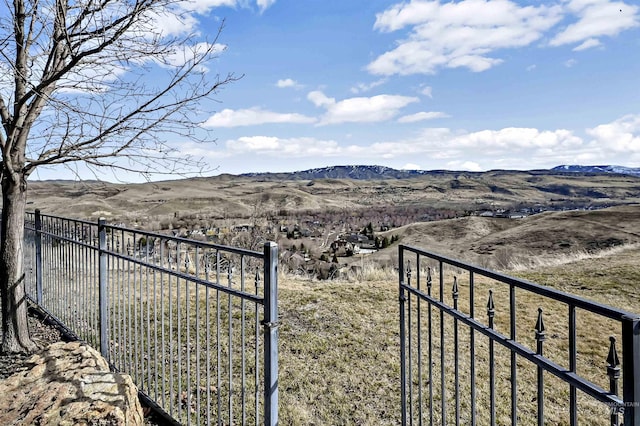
pixel 528 263
pixel 339 353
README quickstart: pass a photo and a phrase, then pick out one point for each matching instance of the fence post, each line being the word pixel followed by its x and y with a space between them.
pixel 38 242
pixel 631 369
pixel 102 289
pixel 402 297
pixel 270 323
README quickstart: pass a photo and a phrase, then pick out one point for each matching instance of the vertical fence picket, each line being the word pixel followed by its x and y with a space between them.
pixel 230 343
pixel 403 350
pixel 430 345
pixel 613 371
pixel 491 312
pixel 455 294
pixel 38 261
pixel 573 365
pixel 419 335
pixel 443 389
pixel 271 334
pixel 410 346
pixel 512 360
pixel 472 350
pixel 102 295
pixel 257 353
pixel 631 369
pixel 540 338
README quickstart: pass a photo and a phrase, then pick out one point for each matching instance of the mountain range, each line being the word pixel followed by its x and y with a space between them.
pixel 635 171
pixel 362 172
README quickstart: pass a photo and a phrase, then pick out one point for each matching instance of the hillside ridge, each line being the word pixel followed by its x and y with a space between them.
pixel 368 172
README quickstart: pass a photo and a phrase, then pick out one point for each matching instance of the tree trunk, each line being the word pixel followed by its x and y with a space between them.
pixel 15 331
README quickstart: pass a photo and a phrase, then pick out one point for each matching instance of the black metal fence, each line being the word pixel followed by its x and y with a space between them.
pixel 194 324
pixel 473 351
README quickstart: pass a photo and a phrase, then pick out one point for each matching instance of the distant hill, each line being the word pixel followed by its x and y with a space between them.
pixel 598 169
pixel 341 172
pixel 363 172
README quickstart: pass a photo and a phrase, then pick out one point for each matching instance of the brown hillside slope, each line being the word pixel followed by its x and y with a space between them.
pixel 500 242
pixel 235 196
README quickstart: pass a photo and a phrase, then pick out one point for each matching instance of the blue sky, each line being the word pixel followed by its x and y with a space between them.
pixel 461 85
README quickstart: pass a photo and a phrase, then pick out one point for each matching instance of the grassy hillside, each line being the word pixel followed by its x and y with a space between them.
pixel 233 196
pixel 527 242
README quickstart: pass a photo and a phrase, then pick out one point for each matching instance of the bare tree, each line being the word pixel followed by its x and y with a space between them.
pixel 75 89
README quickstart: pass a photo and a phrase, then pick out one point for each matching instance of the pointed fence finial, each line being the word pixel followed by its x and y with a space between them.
pixel 612 358
pixel 454 292
pixel 257 278
pixel 230 272
pixel 613 371
pixel 540 334
pixel 491 309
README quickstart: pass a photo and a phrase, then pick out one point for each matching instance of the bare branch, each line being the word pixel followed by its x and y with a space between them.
pixel 86 97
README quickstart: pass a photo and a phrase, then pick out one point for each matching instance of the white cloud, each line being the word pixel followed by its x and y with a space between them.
pixel 252 117
pixel 277 147
pixel 515 138
pixel 621 135
pixel 288 82
pixel 532 67
pixel 363 87
pixel 570 63
pixel 467 33
pixel 360 109
pixel 410 166
pixel 596 18
pixel 265 4
pixel 204 6
pixel 421 116
pixel 319 99
pixel 172 21
pixel 458 34
pixel 200 150
pixel 427 91
pixel 185 54
pixel 183 17
pixel 587 44
pixel 464 165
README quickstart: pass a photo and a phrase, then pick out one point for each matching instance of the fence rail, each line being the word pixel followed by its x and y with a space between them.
pixel 194 324
pixel 472 352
